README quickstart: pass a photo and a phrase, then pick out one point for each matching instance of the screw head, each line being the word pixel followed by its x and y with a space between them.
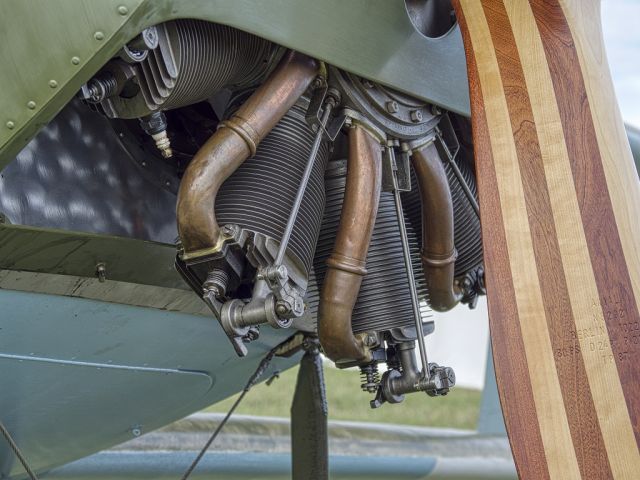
pixel 416 116
pixel 123 10
pixel 75 60
pixel 392 106
pixel 98 36
pixel 10 125
pixel 31 105
pixel 53 83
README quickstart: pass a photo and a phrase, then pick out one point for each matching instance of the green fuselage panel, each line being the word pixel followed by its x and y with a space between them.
pixel 51 47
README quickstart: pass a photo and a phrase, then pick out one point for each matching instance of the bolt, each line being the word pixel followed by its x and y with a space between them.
pixel 53 83
pixel 282 308
pixel 229 230
pixel 392 106
pixel 122 10
pixel 31 105
pixel 101 272
pixel 98 36
pixel 282 272
pixel 10 125
pixel 371 339
pixel 136 431
pixel 213 289
pixel 435 110
pixel 75 60
pixel 416 116
pixel 251 335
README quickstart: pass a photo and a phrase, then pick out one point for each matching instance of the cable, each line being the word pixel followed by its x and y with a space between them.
pixel 252 381
pixel 17 451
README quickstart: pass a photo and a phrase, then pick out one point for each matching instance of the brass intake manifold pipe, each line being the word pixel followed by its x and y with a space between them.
pixel 438 249
pixel 236 139
pixel 346 265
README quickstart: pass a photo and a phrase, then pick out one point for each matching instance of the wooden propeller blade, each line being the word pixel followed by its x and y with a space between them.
pixel 560 211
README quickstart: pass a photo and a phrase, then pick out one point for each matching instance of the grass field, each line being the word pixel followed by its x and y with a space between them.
pixel 346 401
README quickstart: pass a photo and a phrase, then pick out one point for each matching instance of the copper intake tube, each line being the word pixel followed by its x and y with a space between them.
pixel 346 265
pixel 438 250
pixel 235 140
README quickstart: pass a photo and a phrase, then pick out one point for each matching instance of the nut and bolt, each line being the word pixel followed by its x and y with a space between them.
pixel 392 106
pixel 416 116
pixel 435 110
pixel 282 308
pixel 136 431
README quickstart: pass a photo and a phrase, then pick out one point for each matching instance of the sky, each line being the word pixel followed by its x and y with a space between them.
pixel 622 40
pixel 461 337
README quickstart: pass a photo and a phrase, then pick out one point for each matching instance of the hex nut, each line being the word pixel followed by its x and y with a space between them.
pixel 392 106
pixel 416 116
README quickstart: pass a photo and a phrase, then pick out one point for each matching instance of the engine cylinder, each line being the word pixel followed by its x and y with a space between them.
pixel 384 301
pixel 259 195
pixel 193 60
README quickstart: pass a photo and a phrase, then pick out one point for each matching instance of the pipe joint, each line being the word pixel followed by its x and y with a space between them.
pixel 438 259
pixel 347 264
pixel 244 130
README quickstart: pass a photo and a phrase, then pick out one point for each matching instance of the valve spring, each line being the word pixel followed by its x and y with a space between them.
pixel 370 378
pixel 217 280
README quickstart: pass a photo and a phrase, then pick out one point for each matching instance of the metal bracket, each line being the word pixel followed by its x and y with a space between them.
pixel 315 110
pixel 448 147
pixel 396 171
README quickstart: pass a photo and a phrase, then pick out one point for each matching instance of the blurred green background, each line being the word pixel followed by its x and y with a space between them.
pixel 459 409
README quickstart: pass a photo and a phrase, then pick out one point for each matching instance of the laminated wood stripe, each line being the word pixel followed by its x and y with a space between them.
pixel 554 215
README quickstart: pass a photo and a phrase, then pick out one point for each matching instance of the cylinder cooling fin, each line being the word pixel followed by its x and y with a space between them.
pixel 259 196
pixel 384 301
pixel 193 59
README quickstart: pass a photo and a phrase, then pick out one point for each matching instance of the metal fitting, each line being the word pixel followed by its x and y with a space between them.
pixel 392 106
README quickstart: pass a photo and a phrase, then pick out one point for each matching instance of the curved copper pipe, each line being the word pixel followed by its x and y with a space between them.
pixel 438 250
pixel 230 146
pixel 346 265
